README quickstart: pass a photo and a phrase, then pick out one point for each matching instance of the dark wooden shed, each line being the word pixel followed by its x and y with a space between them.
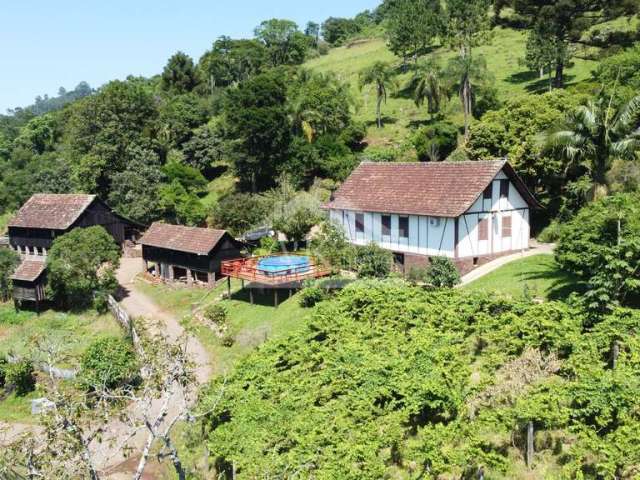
pixel 29 281
pixel 187 254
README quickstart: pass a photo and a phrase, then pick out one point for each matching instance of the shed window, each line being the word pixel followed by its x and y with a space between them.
pixel 386 225
pixel 506 227
pixel 403 227
pixel 359 222
pixel 488 192
pixel 504 188
pixel 483 229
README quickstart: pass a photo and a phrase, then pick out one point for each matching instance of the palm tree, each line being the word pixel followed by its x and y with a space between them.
pixel 429 86
pixel 594 135
pixel 466 74
pixel 380 74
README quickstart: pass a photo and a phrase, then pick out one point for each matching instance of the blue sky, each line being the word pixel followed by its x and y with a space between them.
pixel 46 44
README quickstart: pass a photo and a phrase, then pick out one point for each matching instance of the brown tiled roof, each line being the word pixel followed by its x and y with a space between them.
pixel 29 270
pixel 52 211
pixel 439 189
pixel 183 239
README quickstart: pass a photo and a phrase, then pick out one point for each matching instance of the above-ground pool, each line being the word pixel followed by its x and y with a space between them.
pixel 283 265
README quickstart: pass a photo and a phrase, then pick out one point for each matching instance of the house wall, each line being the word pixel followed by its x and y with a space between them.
pixel 432 236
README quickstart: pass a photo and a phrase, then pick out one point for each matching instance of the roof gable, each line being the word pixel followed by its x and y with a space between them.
pixel 438 189
pixel 51 211
pixel 200 241
pixel 29 270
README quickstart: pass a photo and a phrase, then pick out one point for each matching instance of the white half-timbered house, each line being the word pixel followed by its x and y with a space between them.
pixel 468 211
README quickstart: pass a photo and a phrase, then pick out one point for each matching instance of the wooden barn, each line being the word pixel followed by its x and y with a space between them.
pixel 42 219
pixel 187 254
pixel 471 212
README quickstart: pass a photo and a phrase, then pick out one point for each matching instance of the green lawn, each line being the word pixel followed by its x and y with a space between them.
pixel 502 55
pixel 73 332
pixel 540 273
pixel 249 325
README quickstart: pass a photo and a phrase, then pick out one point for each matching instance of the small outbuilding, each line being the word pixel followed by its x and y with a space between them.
pixel 187 254
pixel 29 281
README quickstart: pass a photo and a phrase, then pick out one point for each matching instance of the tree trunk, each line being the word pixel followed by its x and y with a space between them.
pixel 559 79
pixel 530 444
pixel 175 459
pixel 541 72
pixel 378 110
pixel 143 458
pixel 466 105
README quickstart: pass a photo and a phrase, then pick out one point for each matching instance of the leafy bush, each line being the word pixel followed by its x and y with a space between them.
pixel 312 295
pixel 109 362
pixel 442 273
pixel 21 377
pixel 436 142
pixel 417 274
pixel 228 340
pixel 551 233
pixel 3 371
pixel 601 245
pixel 216 313
pixel 238 213
pixel 373 261
pixel 9 260
pixel 80 265
pixel 331 246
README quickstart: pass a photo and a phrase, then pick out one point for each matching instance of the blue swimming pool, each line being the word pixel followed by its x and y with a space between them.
pixel 285 264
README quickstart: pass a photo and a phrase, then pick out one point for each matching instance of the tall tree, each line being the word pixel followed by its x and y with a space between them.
pixel 285 43
pixel 466 26
pixel 429 86
pixel 380 75
pixel 564 21
pixel 257 120
pixel 336 30
pixel 312 30
pixel 594 135
pixel 179 75
pixel 413 26
pixel 231 61
pixel 544 51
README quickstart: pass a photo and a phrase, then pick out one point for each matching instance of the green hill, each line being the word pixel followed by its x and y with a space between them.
pixel 503 56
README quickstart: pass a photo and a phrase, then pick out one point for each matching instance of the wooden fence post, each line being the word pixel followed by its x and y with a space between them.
pixel 530 444
pixel 615 352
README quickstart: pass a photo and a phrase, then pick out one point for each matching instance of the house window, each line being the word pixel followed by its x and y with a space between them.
pixel 403 227
pixel 359 222
pixel 504 188
pixel 386 225
pixel 488 192
pixel 483 229
pixel 506 227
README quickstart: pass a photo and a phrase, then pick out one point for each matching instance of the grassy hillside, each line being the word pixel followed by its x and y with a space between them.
pixel 502 54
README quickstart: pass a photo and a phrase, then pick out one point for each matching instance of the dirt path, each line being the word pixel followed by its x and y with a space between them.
pixel 536 249
pixel 111 461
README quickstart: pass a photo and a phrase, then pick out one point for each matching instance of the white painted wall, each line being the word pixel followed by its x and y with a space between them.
pixel 433 236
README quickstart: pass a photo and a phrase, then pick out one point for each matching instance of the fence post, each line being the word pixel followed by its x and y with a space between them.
pixel 530 444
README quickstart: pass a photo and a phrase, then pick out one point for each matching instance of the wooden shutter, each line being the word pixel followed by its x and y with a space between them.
pixel 483 229
pixel 403 227
pixel 360 222
pixel 506 227
pixel 386 225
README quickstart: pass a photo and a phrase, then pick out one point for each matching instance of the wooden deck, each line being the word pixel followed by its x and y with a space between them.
pixel 248 269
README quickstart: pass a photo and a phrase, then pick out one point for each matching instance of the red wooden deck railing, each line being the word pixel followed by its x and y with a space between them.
pixel 248 269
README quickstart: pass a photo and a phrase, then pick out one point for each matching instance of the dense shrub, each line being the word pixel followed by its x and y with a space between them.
pixel 80 265
pixel 405 375
pixel 3 371
pixel 312 295
pixel 238 213
pixel 601 245
pixel 436 142
pixel 9 260
pixel 331 247
pixel 216 313
pixel 442 273
pixel 109 362
pixel 21 376
pixel 373 261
